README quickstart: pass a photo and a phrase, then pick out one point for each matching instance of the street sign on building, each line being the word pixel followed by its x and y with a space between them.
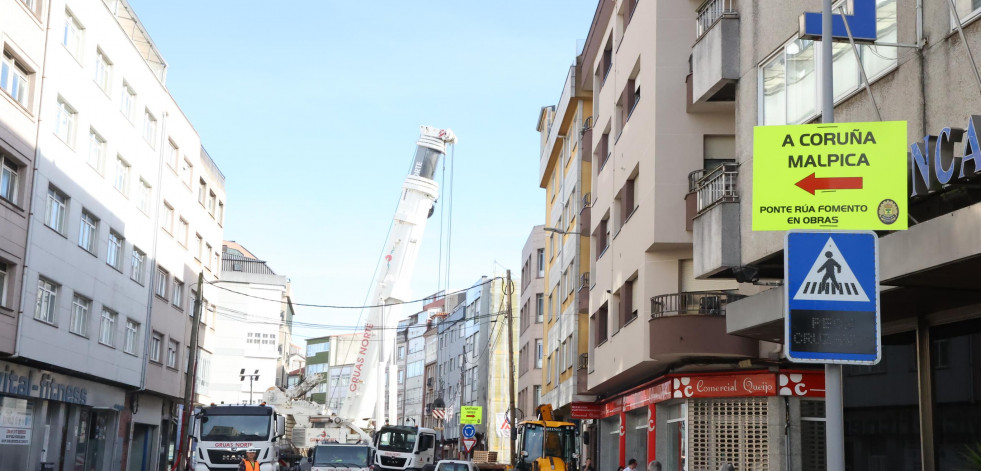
pixel 837 176
pixel 831 283
pixel 471 414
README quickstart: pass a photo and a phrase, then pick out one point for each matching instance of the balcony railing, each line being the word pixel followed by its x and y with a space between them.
pixel 586 126
pixel 705 303
pixel 583 361
pixel 717 186
pixel 710 12
pixel 586 202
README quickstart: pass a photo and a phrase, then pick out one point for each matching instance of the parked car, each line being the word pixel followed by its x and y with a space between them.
pixel 455 465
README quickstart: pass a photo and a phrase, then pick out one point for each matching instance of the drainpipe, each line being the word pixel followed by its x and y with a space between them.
pixel 30 213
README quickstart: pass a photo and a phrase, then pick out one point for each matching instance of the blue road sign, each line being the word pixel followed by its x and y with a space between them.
pixel 861 22
pixel 831 283
pixel 469 431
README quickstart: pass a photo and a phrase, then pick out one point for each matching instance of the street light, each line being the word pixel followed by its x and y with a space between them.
pixel 251 377
pixel 413 419
pixel 560 231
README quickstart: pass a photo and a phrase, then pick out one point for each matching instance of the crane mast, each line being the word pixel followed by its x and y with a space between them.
pixel 391 285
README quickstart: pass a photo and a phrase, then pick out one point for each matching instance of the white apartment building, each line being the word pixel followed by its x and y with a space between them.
pixel 104 304
pixel 251 303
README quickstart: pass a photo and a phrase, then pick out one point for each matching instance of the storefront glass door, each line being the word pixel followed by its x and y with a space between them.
pixel 16 429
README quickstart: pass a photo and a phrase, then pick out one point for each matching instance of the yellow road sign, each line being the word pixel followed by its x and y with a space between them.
pixel 846 176
pixel 471 414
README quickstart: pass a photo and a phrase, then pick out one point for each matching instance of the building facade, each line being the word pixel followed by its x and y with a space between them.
pixel 531 345
pixel 96 258
pixel 253 305
pixel 566 175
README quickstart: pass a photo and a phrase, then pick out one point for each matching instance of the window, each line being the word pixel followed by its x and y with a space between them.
pixel 65 122
pixel 107 328
pixel 4 270
pixel 97 150
pixel 401 352
pixel 144 197
pixel 600 320
pixel 161 282
pixel 167 221
pixel 221 213
pixel 200 246
pixel 788 81
pixel 182 232
pixel 202 191
pixel 15 79
pixel 602 236
pixel 603 150
pixel 71 37
pixel 47 301
pixel 211 203
pixel 80 315
pixel 570 353
pixel 155 342
pixel 187 173
pixel 539 351
pixel 55 210
pixel 414 369
pixel 173 154
pixel 149 128
pixel 137 262
pixel 32 5
pixel 88 232
pixel 217 262
pixel 103 70
pixel 967 10
pixel 121 181
pixel 132 336
pixel 9 179
pixel 178 294
pixel 606 62
pixel 625 199
pixel 541 263
pixel 127 101
pixel 114 258
pixel 207 255
pixel 172 349
pixel 540 308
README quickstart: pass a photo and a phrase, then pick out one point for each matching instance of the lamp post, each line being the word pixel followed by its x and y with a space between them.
pixel 560 231
pixel 252 377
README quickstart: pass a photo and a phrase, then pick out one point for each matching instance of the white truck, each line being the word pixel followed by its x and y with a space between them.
pixel 223 434
pixel 404 448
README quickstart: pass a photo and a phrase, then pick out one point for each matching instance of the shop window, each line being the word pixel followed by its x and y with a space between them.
pixel 17 421
pixel 954 350
pixel 676 440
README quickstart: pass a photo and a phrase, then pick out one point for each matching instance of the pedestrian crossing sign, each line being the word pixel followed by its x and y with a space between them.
pixel 831 282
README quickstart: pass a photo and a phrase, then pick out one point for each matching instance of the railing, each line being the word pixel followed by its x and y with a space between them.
pixel 710 12
pixel 693 179
pixel 583 361
pixel 584 281
pixel 586 202
pixel 717 186
pixel 586 126
pixel 705 303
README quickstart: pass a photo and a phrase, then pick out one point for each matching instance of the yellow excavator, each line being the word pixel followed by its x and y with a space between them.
pixel 546 444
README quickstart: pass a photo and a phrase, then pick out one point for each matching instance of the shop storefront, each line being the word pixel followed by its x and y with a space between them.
pixel 754 420
pixel 62 422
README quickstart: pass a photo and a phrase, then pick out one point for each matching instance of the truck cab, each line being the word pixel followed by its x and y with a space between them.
pixel 224 433
pixel 547 445
pixel 404 448
pixel 338 456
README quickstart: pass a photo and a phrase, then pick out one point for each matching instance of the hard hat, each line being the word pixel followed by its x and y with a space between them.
pixel 252 450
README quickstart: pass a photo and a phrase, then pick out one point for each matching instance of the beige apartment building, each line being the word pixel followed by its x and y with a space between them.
pixel 109 209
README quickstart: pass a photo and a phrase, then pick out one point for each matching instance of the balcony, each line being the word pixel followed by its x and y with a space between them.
pixel 582 294
pixel 584 211
pixel 715 56
pixel 715 220
pixel 582 374
pixel 691 324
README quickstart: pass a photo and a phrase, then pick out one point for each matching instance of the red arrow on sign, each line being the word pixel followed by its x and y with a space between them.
pixel 811 183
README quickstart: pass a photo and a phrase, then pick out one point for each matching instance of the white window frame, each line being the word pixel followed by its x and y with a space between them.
pixel 178 297
pixel 150 128
pixel 145 197
pixel 182 229
pixel 163 278
pixel 172 349
pixel 127 101
pixel 132 340
pixel 9 179
pixel 56 210
pixel 103 70
pixel 121 178
pixel 168 218
pixel 72 35
pixel 156 341
pixel 5 269
pixel 47 301
pixel 88 232
pixel 107 327
pixel 15 79
pixel 137 265
pixel 114 255
pixel 81 307
pixel 187 173
pixel 64 125
pixel 97 150
pixel 540 352
pixel 173 154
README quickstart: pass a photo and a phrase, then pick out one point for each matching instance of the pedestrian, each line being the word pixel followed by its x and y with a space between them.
pixel 631 465
pixel 589 465
pixel 619 468
pixel 249 463
pixel 654 466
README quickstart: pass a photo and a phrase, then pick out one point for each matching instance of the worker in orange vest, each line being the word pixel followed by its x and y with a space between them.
pixel 249 463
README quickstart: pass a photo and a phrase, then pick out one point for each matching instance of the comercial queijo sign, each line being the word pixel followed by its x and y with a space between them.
pixel 836 176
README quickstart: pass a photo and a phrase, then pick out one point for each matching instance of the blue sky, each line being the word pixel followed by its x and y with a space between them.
pixel 312 113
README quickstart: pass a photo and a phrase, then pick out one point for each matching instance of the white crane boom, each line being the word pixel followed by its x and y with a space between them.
pixel 391 284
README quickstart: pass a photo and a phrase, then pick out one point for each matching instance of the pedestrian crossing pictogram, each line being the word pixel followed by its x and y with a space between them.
pixel 831 279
